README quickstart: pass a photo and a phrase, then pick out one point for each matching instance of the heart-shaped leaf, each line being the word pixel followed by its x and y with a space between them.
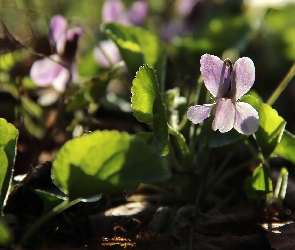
pixel 105 162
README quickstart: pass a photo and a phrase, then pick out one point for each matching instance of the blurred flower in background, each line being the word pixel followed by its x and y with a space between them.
pixel 179 23
pixel 107 53
pixel 58 69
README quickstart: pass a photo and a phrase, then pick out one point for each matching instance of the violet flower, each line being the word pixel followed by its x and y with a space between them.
pixel 227 84
pixel 114 11
pixel 107 52
pixel 58 69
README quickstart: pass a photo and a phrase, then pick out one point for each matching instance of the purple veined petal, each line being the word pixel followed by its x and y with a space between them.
pixel 199 113
pixel 246 118
pixel 224 116
pixel 110 49
pixel 243 77
pixel 61 81
pixel 58 27
pixel 112 10
pixel 138 12
pixel 44 70
pixel 216 75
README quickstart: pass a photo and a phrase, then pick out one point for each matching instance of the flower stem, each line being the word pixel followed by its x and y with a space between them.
pixel 283 84
pixel 58 209
pixel 181 141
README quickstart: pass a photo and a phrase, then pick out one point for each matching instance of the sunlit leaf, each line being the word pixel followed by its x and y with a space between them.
pixel 105 162
pixel 261 180
pixel 144 90
pixel 285 148
pixel 271 126
pixel 137 47
pixel 8 139
pixel 147 104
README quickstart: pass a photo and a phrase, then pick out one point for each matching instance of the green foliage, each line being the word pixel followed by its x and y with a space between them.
pixel 271 126
pixel 33 117
pixel 8 139
pixel 137 47
pixel 218 139
pixel 282 183
pixel 261 180
pixel 285 148
pixel 147 105
pixel 5 234
pixel 90 92
pixel 105 162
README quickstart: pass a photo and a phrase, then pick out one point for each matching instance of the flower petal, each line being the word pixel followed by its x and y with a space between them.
pixel 110 49
pixel 43 71
pixel 138 12
pixel 216 75
pixel 224 117
pixel 114 11
pixel 58 26
pixel 199 113
pixel 61 81
pixel 246 118
pixel 243 77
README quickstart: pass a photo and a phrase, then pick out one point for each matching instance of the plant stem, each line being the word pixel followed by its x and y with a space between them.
pixel 283 84
pixel 181 141
pixel 58 209
pixel 229 174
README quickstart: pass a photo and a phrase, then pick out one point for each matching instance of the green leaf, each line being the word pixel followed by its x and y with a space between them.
pixel 221 139
pixel 5 234
pixel 144 91
pixel 147 104
pixel 8 139
pixel 271 126
pixel 105 162
pixel 285 148
pixel 151 141
pixel 261 180
pixel 137 47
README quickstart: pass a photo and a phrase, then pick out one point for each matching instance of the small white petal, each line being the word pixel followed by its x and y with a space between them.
pixel 199 113
pixel 246 119
pixel 224 117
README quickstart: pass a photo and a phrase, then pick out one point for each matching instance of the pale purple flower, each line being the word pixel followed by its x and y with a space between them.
pixel 227 85
pixel 107 54
pixel 115 11
pixel 58 69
